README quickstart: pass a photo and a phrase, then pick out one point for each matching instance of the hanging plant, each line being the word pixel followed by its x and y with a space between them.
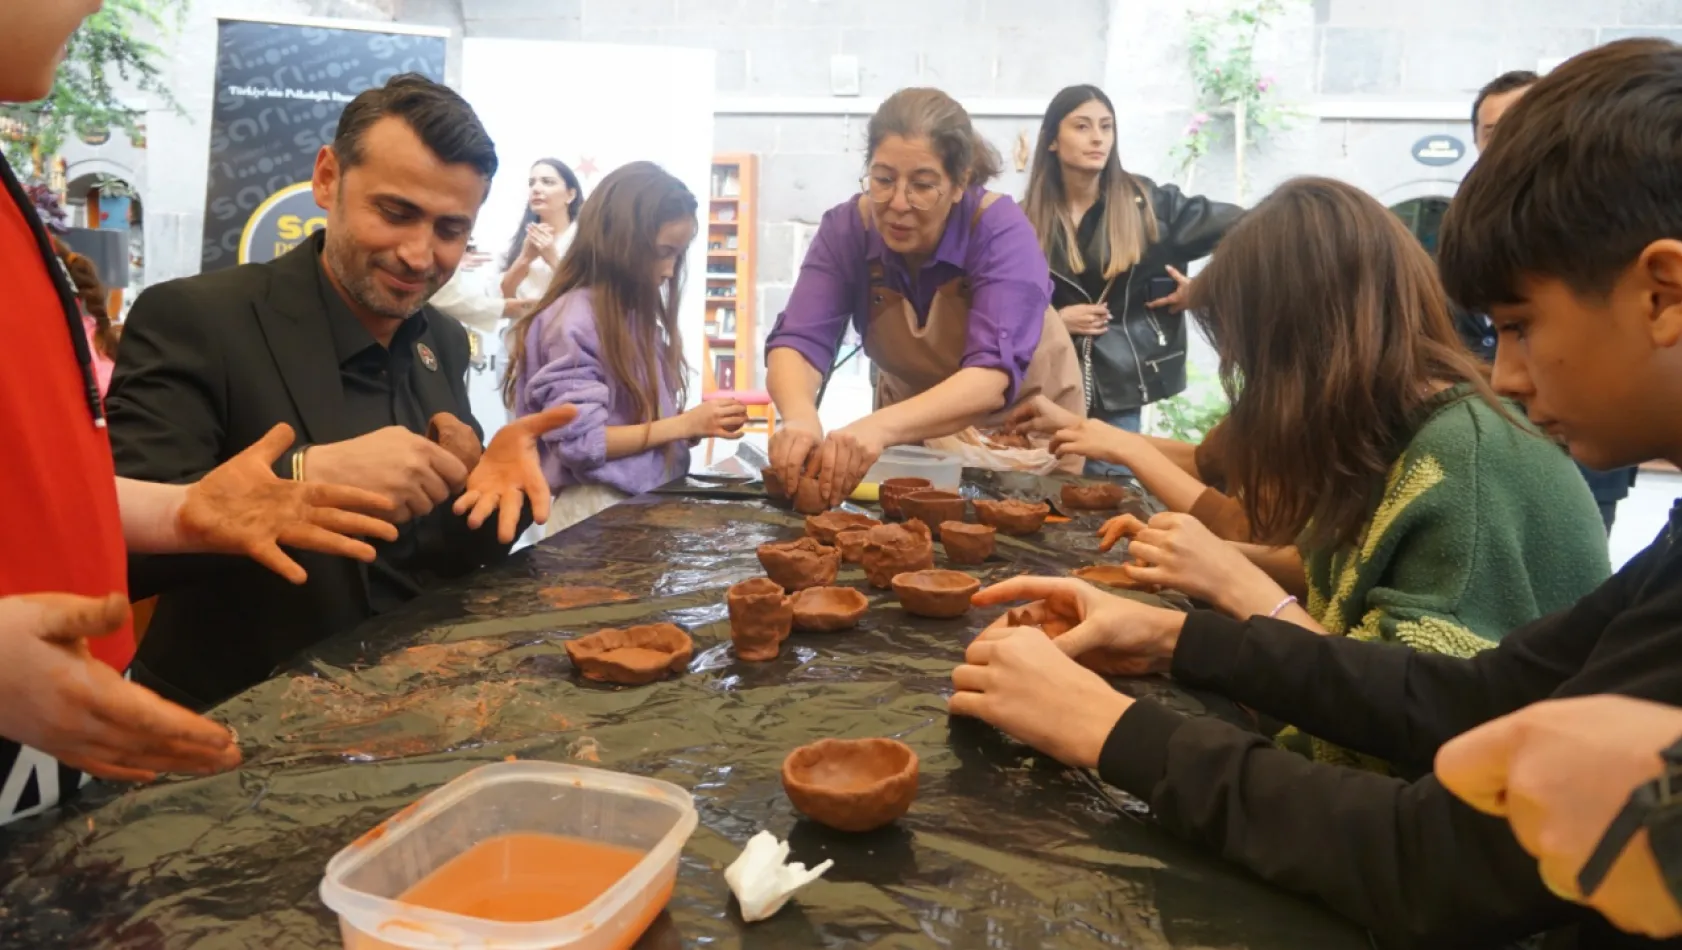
pixel 1234 97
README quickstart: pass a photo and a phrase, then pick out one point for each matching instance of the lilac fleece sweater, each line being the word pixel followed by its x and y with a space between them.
pixel 564 364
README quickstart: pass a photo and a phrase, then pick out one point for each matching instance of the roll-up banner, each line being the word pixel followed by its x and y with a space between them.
pixel 280 87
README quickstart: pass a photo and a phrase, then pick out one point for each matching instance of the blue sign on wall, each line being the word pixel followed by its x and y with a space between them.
pixel 1438 150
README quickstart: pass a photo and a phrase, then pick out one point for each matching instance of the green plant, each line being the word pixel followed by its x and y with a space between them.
pixel 104 50
pixel 1189 416
pixel 1233 95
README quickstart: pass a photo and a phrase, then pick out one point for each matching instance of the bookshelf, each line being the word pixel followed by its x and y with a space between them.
pixel 730 284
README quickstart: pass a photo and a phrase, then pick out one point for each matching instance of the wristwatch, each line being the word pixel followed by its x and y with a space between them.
pixel 1655 806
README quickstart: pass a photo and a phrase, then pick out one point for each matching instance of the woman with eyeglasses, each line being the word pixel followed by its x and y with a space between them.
pixel 947 286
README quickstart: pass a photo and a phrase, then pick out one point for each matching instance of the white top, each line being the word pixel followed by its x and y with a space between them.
pixel 540 273
pixel 472 297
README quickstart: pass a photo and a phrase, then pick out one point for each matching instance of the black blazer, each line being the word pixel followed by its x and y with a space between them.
pixel 205 367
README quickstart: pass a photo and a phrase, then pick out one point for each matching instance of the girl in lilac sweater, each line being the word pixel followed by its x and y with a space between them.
pixel 605 339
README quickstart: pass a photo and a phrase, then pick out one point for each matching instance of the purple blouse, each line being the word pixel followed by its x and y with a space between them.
pixel 1001 256
pixel 563 364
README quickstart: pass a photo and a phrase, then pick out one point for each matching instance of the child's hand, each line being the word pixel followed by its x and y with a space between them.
pixel 717 419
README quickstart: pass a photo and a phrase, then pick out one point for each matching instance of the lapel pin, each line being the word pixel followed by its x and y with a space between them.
pixel 427 359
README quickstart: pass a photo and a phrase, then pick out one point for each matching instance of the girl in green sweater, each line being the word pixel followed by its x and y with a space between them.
pixel 1425 510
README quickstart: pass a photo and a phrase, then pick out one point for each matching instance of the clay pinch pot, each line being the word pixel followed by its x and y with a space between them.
pixel 632 656
pixel 1095 496
pixel 852 785
pixel 828 609
pixel 455 437
pixel 775 490
pixel 892 490
pixel 967 543
pixel 1112 575
pixel 808 497
pixel 938 594
pixel 1012 516
pixel 896 549
pixel 826 526
pixel 932 507
pixel 797 565
pixel 760 618
pixel 851 542
pixel 1040 615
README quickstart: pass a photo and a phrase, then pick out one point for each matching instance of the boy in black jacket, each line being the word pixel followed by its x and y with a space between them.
pixel 1569 233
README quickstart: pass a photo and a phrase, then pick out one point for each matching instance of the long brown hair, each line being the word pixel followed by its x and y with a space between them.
pixel 92 294
pixel 969 159
pixel 1333 333
pixel 613 256
pixel 1129 220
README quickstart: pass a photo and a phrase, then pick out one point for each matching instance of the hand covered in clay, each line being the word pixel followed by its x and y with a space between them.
pixel 1115 635
pixel 457 438
pixel 1016 679
pixel 55 696
pixel 242 507
pixel 790 447
pixel 842 461
pixel 509 475
pixel 1177 551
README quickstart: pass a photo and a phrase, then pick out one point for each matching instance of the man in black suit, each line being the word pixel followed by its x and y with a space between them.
pixel 336 339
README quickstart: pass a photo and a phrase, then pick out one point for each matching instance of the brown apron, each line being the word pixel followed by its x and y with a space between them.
pixel 912 359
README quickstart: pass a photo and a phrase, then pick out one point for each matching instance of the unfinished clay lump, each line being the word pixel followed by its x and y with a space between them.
pixel 632 656
pixel 760 618
pixel 800 564
pixel 895 549
pixel 852 784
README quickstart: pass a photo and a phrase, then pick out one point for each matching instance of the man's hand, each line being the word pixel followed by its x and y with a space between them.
pixel 57 698
pixel 241 507
pixel 1016 679
pixel 790 446
pixel 510 474
pixel 1559 771
pixel 415 474
pixel 844 458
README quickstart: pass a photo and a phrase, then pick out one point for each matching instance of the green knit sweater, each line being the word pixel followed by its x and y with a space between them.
pixel 1482 527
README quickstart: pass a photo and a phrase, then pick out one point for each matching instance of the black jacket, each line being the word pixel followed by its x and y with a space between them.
pixel 1404 858
pixel 206 366
pixel 1142 357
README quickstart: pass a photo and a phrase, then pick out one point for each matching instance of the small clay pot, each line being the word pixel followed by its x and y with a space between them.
pixel 932 507
pixel 967 543
pixel 851 542
pixel 1012 516
pixel 632 656
pixel 828 609
pixel 775 490
pixel 800 564
pixel 938 594
pixel 455 437
pixel 1112 575
pixel 892 490
pixel 825 527
pixel 760 618
pixel 895 549
pixel 852 784
pixel 808 498
pixel 1096 496
pixel 1040 615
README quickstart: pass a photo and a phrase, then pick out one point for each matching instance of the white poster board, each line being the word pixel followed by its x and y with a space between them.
pixel 596 107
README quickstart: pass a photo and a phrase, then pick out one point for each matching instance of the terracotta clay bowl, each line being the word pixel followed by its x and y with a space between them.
pixel 455 437
pixel 1112 575
pixel 760 618
pixel 853 785
pixel 967 543
pixel 938 594
pixel 632 656
pixel 826 526
pixel 1012 516
pixel 808 498
pixel 896 549
pixel 828 609
pixel 800 564
pixel 932 506
pixel 1097 496
pixel 892 490
pixel 851 542
pixel 775 490
pixel 1040 615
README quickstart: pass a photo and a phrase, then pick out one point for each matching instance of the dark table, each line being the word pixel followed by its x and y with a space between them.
pixel 1003 848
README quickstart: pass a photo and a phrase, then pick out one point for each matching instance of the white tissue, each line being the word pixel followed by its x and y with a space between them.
pixel 761 881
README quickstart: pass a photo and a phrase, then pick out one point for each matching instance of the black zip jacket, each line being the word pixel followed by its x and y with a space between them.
pixel 1142 357
pixel 1402 857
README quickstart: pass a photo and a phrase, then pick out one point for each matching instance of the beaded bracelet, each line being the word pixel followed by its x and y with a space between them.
pixel 1288 601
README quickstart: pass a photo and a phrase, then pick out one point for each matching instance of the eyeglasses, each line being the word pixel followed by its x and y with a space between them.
pixel 920 195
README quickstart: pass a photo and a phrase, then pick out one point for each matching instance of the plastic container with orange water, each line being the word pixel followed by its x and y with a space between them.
pixel 517 856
